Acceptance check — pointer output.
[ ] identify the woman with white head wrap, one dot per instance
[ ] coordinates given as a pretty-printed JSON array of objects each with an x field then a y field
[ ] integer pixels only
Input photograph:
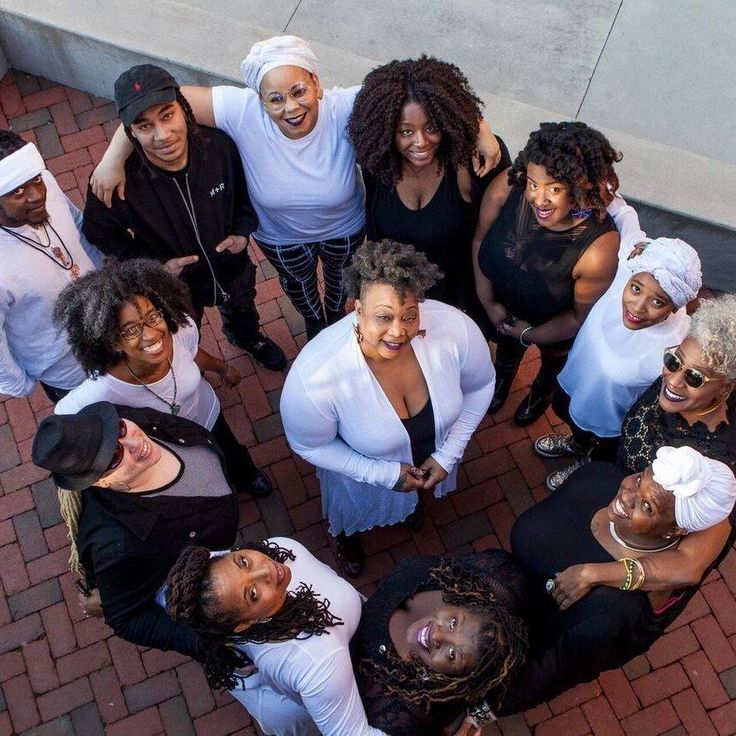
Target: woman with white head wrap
[
  {"x": 618, "y": 351},
  {"x": 612, "y": 575},
  {"x": 300, "y": 167}
]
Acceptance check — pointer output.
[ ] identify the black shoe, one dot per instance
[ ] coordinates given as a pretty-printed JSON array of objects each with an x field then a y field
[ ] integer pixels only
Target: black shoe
[
  {"x": 350, "y": 554},
  {"x": 259, "y": 487},
  {"x": 504, "y": 378},
  {"x": 415, "y": 521},
  {"x": 266, "y": 352},
  {"x": 533, "y": 405}
]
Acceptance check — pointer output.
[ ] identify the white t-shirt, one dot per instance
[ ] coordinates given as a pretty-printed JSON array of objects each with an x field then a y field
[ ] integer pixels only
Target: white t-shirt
[
  {"x": 303, "y": 680},
  {"x": 195, "y": 396},
  {"x": 303, "y": 190}
]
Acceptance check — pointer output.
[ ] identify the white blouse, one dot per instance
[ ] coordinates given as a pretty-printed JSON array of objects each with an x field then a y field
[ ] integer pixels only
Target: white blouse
[
  {"x": 194, "y": 394},
  {"x": 337, "y": 417}
]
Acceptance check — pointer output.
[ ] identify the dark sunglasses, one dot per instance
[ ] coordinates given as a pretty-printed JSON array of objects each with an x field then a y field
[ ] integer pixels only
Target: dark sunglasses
[
  {"x": 693, "y": 377},
  {"x": 117, "y": 456}
]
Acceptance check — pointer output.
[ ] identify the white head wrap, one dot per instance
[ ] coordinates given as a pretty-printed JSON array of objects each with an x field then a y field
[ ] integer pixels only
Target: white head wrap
[
  {"x": 704, "y": 489},
  {"x": 21, "y": 166},
  {"x": 674, "y": 264},
  {"x": 276, "y": 51}
]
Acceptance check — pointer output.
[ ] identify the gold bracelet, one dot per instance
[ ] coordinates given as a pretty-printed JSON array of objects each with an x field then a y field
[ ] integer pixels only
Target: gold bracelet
[
  {"x": 629, "y": 567},
  {"x": 642, "y": 575}
]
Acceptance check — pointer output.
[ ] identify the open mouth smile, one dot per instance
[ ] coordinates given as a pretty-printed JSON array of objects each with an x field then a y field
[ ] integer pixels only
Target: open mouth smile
[
  {"x": 619, "y": 509},
  {"x": 543, "y": 214},
  {"x": 423, "y": 637},
  {"x": 297, "y": 121},
  {"x": 671, "y": 395},
  {"x": 154, "y": 348}
]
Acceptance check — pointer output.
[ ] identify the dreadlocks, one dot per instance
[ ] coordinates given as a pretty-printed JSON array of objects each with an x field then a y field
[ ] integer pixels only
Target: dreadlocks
[
  {"x": 503, "y": 644},
  {"x": 191, "y": 599}
]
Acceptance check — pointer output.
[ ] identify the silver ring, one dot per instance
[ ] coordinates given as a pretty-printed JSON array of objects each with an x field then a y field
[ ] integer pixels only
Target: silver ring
[{"x": 550, "y": 585}]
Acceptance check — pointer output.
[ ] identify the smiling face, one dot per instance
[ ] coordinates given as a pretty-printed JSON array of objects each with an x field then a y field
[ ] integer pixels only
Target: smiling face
[
  {"x": 549, "y": 198},
  {"x": 449, "y": 641},
  {"x": 387, "y": 323},
  {"x": 26, "y": 205},
  {"x": 677, "y": 396},
  {"x": 152, "y": 347},
  {"x": 250, "y": 585},
  {"x": 161, "y": 131},
  {"x": 299, "y": 91},
  {"x": 417, "y": 138},
  {"x": 644, "y": 302},
  {"x": 642, "y": 508},
  {"x": 139, "y": 454}
]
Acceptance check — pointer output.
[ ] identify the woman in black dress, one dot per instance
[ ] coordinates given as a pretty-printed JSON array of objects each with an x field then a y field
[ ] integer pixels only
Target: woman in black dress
[
  {"x": 545, "y": 250},
  {"x": 414, "y": 127}
]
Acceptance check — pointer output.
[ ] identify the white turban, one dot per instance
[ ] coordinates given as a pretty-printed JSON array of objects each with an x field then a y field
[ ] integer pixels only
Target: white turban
[
  {"x": 704, "y": 489},
  {"x": 19, "y": 167},
  {"x": 276, "y": 51},
  {"x": 674, "y": 264}
]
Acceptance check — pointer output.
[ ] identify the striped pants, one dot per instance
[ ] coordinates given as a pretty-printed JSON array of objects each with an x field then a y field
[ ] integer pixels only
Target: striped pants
[{"x": 297, "y": 268}]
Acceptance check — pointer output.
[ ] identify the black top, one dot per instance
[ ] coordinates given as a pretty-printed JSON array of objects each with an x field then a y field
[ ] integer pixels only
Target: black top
[
  {"x": 603, "y": 630},
  {"x": 152, "y": 221},
  {"x": 128, "y": 543},
  {"x": 443, "y": 229},
  {"x": 530, "y": 266},
  {"x": 372, "y": 640},
  {"x": 420, "y": 429}
]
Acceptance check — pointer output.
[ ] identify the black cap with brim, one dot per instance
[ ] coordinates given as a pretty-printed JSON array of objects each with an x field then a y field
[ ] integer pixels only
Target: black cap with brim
[
  {"x": 141, "y": 87},
  {"x": 77, "y": 448}
]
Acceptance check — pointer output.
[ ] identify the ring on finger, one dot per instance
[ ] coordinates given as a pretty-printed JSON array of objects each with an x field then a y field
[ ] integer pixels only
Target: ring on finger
[{"x": 550, "y": 585}]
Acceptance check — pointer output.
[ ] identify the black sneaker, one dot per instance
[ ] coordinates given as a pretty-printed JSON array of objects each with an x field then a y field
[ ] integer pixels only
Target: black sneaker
[
  {"x": 260, "y": 486},
  {"x": 266, "y": 352}
]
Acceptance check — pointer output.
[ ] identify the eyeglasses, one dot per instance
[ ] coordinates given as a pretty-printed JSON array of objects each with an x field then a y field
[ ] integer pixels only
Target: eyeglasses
[
  {"x": 693, "y": 377},
  {"x": 136, "y": 330},
  {"x": 276, "y": 101},
  {"x": 117, "y": 456}
]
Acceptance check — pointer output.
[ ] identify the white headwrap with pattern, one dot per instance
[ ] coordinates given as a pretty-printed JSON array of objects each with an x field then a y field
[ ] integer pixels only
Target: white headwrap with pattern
[{"x": 276, "y": 51}]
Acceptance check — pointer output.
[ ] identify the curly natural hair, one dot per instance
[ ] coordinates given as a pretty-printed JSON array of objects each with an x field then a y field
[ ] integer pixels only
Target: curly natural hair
[
  {"x": 576, "y": 155},
  {"x": 193, "y": 131},
  {"x": 10, "y": 142},
  {"x": 88, "y": 308},
  {"x": 387, "y": 262},
  {"x": 192, "y": 600},
  {"x": 504, "y": 643},
  {"x": 443, "y": 92},
  {"x": 713, "y": 327}
]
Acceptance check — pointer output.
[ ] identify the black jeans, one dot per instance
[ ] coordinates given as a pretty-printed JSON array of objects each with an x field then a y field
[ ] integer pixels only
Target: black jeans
[
  {"x": 240, "y": 468},
  {"x": 596, "y": 448}
]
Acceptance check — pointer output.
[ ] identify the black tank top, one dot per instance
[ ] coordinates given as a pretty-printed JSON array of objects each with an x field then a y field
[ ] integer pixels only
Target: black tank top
[
  {"x": 420, "y": 429},
  {"x": 530, "y": 266}
]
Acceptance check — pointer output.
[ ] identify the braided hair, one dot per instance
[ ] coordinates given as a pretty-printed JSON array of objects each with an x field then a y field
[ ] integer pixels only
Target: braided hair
[
  {"x": 88, "y": 308},
  {"x": 191, "y": 599},
  {"x": 10, "y": 142},
  {"x": 443, "y": 92},
  {"x": 503, "y": 644},
  {"x": 576, "y": 155}
]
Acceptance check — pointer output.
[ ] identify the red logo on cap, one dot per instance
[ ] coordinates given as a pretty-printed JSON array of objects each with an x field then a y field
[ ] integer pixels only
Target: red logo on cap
[{"x": 137, "y": 86}]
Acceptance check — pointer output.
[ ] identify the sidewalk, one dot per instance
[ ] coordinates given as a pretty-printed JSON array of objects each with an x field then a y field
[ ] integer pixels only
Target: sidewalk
[{"x": 64, "y": 675}]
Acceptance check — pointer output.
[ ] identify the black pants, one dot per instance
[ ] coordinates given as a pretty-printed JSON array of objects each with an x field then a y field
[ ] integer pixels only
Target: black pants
[
  {"x": 55, "y": 394},
  {"x": 597, "y": 448},
  {"x": 241, "y": 471},
  {"x": 240, "y": 320}
]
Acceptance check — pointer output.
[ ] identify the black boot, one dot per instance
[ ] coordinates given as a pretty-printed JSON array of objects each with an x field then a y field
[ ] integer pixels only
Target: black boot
[
  {"x": 350, "y": 554},
  {"x": 535, "y": 403},
  {"x": 505, "y": 374}
]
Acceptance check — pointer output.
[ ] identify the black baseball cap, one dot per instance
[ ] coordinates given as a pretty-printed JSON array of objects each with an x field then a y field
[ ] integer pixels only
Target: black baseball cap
[{"x": 142, "y": 87}]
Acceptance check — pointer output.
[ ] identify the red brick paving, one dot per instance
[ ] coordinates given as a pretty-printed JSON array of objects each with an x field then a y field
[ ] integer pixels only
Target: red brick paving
[{"x": 61, "y": 674}]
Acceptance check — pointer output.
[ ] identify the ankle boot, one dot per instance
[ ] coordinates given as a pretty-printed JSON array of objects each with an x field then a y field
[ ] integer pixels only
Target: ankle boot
[
  {"x": 534, "y": 404},
  {"x": 505, "y": 374}
]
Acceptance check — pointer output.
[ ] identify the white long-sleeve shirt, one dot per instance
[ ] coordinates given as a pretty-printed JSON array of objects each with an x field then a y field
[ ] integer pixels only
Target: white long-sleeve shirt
[
  {"x": 307, "y": 686},
  {"x": 337, "y": 417},
  {"x": 31, "y": 347}
]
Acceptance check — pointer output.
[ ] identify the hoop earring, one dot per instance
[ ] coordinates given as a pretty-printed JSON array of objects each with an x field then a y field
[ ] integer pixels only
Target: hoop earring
[
  {"x": 422, "y": 333},
  {"x": 264, "y": 620},
  {"x": 358, "y": 333},
  {"x": 713, "y": 408}
]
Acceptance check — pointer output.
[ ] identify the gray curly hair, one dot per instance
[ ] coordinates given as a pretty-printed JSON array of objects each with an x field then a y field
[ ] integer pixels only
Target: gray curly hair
[
  {"x": 387, "y": 262},
  {"x": 714, "y": 329}
]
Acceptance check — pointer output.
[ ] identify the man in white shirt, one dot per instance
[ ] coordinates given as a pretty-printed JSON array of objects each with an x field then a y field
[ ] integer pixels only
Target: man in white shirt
[{"x": 41, "y": 251}]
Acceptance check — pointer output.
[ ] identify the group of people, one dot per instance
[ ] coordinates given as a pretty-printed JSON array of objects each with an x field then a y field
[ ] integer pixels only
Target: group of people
[{"x": 431, "y": 243}]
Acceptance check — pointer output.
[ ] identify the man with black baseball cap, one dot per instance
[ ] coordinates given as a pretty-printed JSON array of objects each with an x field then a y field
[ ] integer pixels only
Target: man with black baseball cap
[{"x": 186, "y": 204}]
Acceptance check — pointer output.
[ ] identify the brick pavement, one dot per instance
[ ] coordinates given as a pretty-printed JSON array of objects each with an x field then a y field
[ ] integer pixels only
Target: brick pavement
[{"x": 62, "y": 674}]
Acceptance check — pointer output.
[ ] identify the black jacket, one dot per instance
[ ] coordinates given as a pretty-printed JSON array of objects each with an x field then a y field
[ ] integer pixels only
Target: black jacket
[
  {"x": 153, "y": 222},
  {"x": 128, "y": 543}
]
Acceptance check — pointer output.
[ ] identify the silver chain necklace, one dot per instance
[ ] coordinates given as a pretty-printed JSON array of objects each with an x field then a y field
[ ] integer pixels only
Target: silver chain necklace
[
  {"x": 173, "y": 406},
  {"x": 627, "y": 545}
]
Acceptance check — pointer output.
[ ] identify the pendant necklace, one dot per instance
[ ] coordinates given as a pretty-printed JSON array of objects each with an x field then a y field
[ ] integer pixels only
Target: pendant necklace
[
  {"x": 627, "y": 545},
  {"x": 173, "y": 406},
  {"x": 62, "y": 258}
]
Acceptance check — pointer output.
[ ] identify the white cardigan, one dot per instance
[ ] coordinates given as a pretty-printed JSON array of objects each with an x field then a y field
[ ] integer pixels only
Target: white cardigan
[{"x": 337, "y": 417}]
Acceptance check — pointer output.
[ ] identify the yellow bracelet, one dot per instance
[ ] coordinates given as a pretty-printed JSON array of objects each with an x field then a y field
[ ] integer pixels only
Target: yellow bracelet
[
  {"x": 629, "y": 567},
  {"x": 642, "y": 575}
]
